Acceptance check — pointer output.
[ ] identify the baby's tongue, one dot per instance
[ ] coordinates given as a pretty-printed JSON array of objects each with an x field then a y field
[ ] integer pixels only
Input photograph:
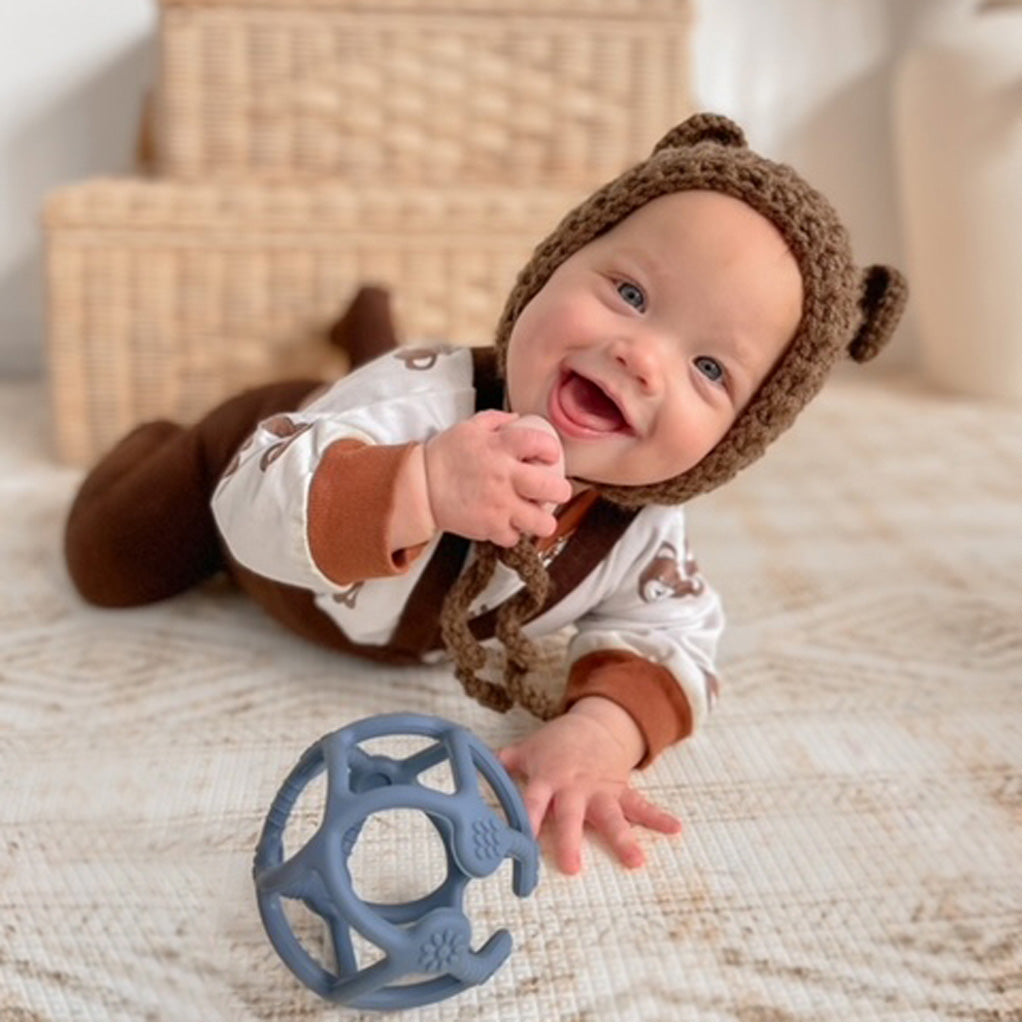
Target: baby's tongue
[{"x": 586, "y": 403}]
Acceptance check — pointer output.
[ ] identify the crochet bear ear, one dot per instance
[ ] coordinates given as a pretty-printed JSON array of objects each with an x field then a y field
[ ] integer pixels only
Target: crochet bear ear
[
  {"x": 703, "y": 128},
  {"x": 883, "y": 294}
]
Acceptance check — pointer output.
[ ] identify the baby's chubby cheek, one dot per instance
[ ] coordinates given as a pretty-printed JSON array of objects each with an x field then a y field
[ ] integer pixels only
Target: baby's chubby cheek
[{"x": 530, "y": 421}]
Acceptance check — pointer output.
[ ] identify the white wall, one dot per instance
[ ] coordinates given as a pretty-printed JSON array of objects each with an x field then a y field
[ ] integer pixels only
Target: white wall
[
  {"x": 72, "y": 74},
  {"x": 808, "y": 79}
]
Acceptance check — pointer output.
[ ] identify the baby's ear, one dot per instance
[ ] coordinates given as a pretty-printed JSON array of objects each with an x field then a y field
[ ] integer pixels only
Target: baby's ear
[
  {"x": 703, "y": 128},
  {"x": 883, "y": 295}
]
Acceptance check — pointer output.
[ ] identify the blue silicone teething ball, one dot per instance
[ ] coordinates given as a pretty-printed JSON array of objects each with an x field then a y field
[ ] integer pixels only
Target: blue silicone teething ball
[{"x": 430, "y": 935}]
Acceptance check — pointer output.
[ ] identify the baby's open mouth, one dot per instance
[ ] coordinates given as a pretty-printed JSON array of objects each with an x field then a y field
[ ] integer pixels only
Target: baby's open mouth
[{"x": 585, "y": 408}]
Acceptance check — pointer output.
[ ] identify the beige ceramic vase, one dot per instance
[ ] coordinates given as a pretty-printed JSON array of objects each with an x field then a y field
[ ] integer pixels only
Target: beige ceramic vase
[{"x": 958, "y": 142}]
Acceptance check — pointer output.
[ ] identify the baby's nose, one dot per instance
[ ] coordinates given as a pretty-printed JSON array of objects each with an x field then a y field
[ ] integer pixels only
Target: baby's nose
[{"x": 638, "y": 357}]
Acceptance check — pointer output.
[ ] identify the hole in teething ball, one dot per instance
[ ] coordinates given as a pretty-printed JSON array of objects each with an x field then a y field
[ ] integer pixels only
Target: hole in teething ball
[
  {"x": 490, "y": 797},
  {"x": 490, "y": 904},
  {"x": 311, "y": 931},
  {"x": 397, "y": 745},
  {"x": 440, "y": 777},
  {"x": 398, "y": 858},
  {"x": 404, "y": 747},
  {"x": 365, "y": 953},
  {"x": 306, "y": 814}
]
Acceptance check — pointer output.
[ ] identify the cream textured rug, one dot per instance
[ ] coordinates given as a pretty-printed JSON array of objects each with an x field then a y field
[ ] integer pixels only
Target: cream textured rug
[{"x": 852, "y": 848}]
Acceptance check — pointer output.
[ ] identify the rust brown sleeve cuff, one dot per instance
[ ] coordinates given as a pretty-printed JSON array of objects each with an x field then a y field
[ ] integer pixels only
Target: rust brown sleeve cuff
[
  {"x": 646, "y": 691},
  {"x": 351, "y": 499}
]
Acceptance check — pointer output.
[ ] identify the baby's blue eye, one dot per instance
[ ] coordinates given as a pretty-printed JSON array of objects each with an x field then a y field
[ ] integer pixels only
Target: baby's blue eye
[
  {"x": 711, "y": 368},
  {"x": 632, "y": 295}
]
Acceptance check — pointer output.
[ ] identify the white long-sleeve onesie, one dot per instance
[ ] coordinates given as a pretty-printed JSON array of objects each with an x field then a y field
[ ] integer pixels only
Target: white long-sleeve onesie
[{"x": 645, "y": 600}]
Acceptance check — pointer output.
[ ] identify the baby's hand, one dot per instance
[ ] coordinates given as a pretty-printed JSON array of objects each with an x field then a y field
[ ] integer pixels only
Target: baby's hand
[
  {"x": 576, "y": 770},
  {"x": 490, "y": 480}
]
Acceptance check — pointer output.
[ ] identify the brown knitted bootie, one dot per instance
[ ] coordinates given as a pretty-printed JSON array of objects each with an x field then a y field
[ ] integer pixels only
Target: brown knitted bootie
[{"x": 366, "y": 329}]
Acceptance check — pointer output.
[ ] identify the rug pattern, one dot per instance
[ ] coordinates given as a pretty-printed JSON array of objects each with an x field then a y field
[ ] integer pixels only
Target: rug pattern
[{"x": 853, "y": 810}]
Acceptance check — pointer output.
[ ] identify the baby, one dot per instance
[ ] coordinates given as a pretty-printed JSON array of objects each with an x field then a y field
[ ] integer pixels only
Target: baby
[{"x": 664, "y": 334}]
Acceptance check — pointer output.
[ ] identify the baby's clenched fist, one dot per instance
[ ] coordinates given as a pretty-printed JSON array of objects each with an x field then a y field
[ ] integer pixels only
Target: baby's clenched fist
[{"x": 495, "y": 477}]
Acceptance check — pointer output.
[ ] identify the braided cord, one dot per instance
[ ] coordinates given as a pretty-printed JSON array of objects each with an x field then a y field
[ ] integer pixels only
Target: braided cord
[
  {"x": 464, "y": 649},
  {"x": 521, "y": 655}
]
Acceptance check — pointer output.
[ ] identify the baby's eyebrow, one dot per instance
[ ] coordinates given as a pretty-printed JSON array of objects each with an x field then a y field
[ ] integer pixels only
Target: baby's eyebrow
[
  {"x": 635, "y": 258},
  {"x": 740, "y": 351}
]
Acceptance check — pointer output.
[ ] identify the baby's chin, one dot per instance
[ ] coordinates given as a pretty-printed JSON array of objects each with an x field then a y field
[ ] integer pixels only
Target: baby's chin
[
  {"x": 583, "y": 478},
  {"x": 584, "y": 481}
]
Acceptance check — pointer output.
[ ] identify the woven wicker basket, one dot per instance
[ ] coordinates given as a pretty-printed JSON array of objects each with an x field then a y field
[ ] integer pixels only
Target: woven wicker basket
[
  {"x": 165, "y": 297},
  {"x": 560, "y": 92}
]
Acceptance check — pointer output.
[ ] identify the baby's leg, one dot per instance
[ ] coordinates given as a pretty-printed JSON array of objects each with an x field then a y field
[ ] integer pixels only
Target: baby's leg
[{"x": 140, "y": 528}]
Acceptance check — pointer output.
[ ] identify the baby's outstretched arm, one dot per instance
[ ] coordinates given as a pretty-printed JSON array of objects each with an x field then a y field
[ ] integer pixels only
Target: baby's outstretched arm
[{"x": 576, "y": 771}]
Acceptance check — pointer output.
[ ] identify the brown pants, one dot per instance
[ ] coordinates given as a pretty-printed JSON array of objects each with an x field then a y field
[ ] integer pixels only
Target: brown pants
[{"x": 141, "y": 529}]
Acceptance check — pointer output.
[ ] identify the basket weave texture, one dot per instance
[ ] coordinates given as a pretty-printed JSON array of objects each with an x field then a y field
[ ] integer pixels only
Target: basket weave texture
[
  {"x": 476, "y": 91},
  {"x": 303, "y": 148},
  {"x": 165, "y": 297}
]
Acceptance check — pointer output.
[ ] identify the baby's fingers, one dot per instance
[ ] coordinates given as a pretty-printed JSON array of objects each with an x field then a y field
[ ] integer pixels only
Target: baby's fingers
[
  {"x": 542, "y": 484},
  {"x": 569, "y": 812},
  {"x": 536, "y": 795},
  {"x": 537, "y": 798},
  {"x": 526, "y": 443},
  {"x": 532, "y": 520},
  {"x": 493, "y": 419},
  {"x": 643, "y": 812},
  {"x": 606, "y": 816}
]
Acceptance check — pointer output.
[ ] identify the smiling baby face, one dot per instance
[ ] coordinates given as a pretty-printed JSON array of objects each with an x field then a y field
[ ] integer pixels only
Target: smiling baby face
[{"x": 643, "y": 346}]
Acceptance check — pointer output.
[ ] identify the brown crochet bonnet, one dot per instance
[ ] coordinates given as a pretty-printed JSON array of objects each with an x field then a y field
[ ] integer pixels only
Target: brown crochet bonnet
[{"x": 845, "y": 310}]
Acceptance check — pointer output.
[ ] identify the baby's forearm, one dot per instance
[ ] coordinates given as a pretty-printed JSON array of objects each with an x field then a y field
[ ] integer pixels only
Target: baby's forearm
[{"x": 412, "y": 521}]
